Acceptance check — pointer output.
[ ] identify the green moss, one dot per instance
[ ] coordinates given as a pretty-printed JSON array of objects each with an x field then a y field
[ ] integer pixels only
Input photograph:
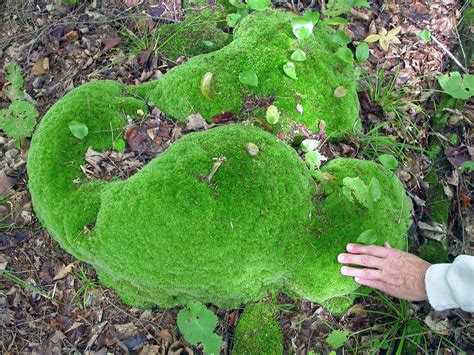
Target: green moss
[
  {"x": 438, "y": 205},
  {"x": 262, "y": 45},
  {"x": 167, "y": 236},
  {"x": 433, "y": 252},
  {"x": 339, "y": 221},
  {"x": 188, "y": 37},
  {"x": 258, "y": 331}
]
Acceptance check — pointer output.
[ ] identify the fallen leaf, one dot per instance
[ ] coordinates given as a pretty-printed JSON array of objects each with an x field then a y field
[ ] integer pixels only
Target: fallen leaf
[
  {"x": 195, "y": 122},
  {"x": 6, "y": 185},
  {"x": 252, "y": 149},
  {"x": 64, "y": 271},
  {"x": 433, "y": 230},
  {"x": 40, "y": 67},
  {"x": 439, "y": 326},
  {"x": 206, "y": 85},
  {"x": 223, "y": 117},
  {"x": 110, "y": 43}
]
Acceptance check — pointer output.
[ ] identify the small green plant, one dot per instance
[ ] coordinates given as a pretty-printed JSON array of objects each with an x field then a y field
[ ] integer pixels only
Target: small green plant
[
  {"x": 389, "y": 161},
  {"x": 83, "y": 293},
  {"x": 19, "y": 119},
  {"x": 457, "y": 86},
  {"x": 356, "y": 190},
  {"x": 197, "y": 324},
  {"x": 336, "y": 8},
  {"x": 313, "y": 157},
  {"x": 244, "y": 9},
  {"x": 13, "y": 278},
  {"x": 78, "y": 129},
  {"x": 337, "y": 338}
]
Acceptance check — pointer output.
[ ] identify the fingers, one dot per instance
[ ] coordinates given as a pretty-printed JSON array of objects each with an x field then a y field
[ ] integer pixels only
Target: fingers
[
  {"x": 374, "y": 250},
  {"x": 377, "y": 284},
  {"x": 363, "y": 260},
  {"x": 367, "y": 274}
]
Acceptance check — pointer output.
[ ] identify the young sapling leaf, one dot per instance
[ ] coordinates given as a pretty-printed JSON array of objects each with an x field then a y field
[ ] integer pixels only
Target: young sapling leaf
[
  {"x": 197, "y": 324},
  {"x": 314, "y": 159},
  {"x": 78, "y": 129},
  {"x": 19, "y": 119},
  {"x": 337, "y": 338},
  {"x": 309, "y": 145},
  {"x": 302, "y": 27},
  {"x": 356, "y": 188},
  {"x": 374, "y": 190},
  {"x": 273, "y": 115},
  {"x": 336, "y": 21},
  {"x": 425, "y": 35},
  {"x": 208, "y": 43},
  {"x": 312, "y": 16},
  {"x": 290, "y": 70},
  {"x": 367, "y": 237},
  {"x": 362, "y": 52},
  {"x": 345, "y": 54},
  {"x": 258, "y": 5},
  {"x": 389, "y": 161},
  {"x": 248, "y": 78},
  {"x": 119, "y": 145},
  {"x": 298, "y": 56},
  {"x": 341, "y": 38},
  {"x": 457, "y": 86}
]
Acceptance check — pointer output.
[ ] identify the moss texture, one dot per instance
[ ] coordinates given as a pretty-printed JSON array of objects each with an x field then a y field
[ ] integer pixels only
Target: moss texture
[
  {"x": 262, "y": 44},
  {"x": 433, "y": 252},
  {"x": 258, "y": 331},
  {"x": 166, "y": 236},
  {"x": 188, "y": 38},
  {"x": 438, "y": 204}
]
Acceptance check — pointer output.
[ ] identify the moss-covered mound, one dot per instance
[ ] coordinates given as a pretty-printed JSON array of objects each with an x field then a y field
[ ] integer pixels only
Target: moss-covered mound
[
  {"x": 199, "y": 33},
  {"x": 258, "y": 331},
  {"x": 263, "y": 44},
  {"x": 174, "y": 232}
]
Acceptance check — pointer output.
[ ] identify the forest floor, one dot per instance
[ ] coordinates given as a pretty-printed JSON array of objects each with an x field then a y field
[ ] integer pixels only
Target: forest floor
[{"x": 54, "y": 303}]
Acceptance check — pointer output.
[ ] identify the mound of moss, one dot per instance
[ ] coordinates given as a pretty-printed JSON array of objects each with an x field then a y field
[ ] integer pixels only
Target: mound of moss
[
  {"x": 263, "y": 44},
  {"x": 258, "y": 331},
  {"x": 199, "y": 33},
  {"x": 172, "y": 233}
]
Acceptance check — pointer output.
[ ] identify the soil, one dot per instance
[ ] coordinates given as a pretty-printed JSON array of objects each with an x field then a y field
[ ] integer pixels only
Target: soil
[{"x": 54, "y": 303}]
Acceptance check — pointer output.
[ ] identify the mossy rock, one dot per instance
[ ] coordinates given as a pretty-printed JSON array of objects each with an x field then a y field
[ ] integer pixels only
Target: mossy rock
[
  {"x": 258, "y": 331},
  {"x": 263, "y": 44}
]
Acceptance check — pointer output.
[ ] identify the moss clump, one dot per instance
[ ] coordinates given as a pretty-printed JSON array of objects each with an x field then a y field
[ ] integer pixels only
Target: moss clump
[
  {"x": 433, "y": 252},
  {"x": 263, "y": 43},
  {"x": 438, "y": 204},
  {"x": 338, "y": 221},
  {"x": 258, "y": 331},
  {"x": 189, "y": 37}
]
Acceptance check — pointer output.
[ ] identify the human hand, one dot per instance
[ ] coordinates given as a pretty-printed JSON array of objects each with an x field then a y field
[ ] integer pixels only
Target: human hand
[{"x": 392, "y": 271}]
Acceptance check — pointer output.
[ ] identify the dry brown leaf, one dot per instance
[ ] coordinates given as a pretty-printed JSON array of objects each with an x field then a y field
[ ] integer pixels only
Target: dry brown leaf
[
  {"x": 6, "y": 185},
  {"x": 64, "y": 271},
  {"x": 41, "y": 67}
]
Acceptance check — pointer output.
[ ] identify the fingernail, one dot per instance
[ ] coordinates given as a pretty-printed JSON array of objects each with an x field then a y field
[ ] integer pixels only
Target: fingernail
[
  {"x": 357, "y": 279},
  {"x": 344, "y": 270},
  {"x": 350, "y": 247},
  {"x": 340, "y": 258}
]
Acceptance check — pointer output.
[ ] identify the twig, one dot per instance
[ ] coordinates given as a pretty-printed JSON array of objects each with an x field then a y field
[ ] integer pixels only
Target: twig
[{"x": 450, "y": 55}]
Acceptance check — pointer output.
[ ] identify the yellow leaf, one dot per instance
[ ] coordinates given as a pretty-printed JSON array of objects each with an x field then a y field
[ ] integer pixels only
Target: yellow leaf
[
  {"x": 394, "y": 31},
  {"x": 395, "y": 40},
  {"x": 372, "y": 38},
  {"x": 384, "y": 43},
  {"x": 206, "y": 85},
  {"x": 64, "y": 271},
  {"x": 383, "y": 32}
]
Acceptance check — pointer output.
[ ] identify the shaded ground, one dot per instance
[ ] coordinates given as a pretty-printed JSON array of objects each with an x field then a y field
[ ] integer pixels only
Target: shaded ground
[{"x": 55, "y": 303}]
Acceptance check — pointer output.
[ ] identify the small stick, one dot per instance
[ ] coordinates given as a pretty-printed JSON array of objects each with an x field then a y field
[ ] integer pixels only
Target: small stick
[
  {"x": 450, "y": 55},
  {"x": 215, "y": 167}
]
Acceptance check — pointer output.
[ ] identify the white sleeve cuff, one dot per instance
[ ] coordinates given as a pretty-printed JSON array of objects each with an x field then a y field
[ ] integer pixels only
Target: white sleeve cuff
[{"x": 437, "y": 287}]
